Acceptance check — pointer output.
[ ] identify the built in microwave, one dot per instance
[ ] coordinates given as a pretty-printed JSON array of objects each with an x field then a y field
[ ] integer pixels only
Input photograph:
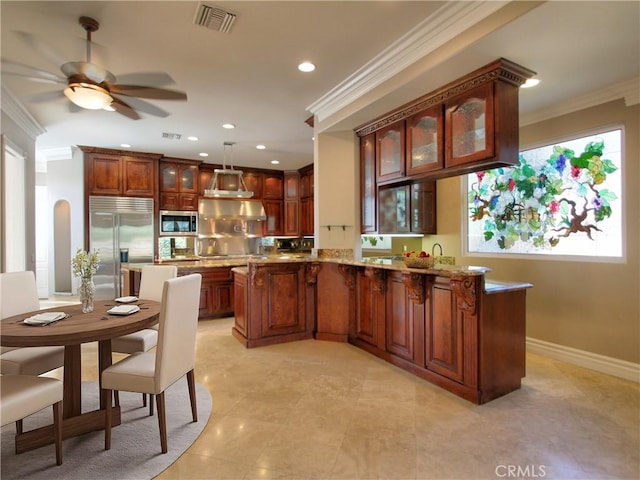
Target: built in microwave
[{"x": 174, "y": 223}]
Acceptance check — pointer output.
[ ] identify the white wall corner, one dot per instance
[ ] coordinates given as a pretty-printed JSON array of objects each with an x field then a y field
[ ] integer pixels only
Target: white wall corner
[
  {"x": 20, "y": 115},
  {"x": 582, "y": 358}
]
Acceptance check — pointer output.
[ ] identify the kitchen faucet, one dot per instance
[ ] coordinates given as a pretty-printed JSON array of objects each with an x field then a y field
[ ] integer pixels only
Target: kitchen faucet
[{"x": 434, "y": 248}]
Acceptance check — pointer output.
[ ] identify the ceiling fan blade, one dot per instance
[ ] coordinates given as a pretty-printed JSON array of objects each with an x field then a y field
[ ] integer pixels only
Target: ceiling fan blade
[
  {"x": 47, "y": 96},
  {"x": 43, "y": 75},
  {"x": 36, "y": 79},
  {"x": 146, "y": 107},
  {"x": 42, "y": 47},
  {"x": 151, "y": 79},
  {"x": 124, "y": 109},
  {"x": 91, "y": 71},
  {"x": 148, "y": 92}
]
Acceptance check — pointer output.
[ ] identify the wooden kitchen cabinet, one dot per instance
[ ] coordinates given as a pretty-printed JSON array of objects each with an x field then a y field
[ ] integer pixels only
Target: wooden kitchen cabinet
[
  {"x": 216, "y": 293},
  {"x": 393, "y": 210},
  {"x": 390, "y": 152},
  {"x": 273, "y": 186},
  {"x": 292, "y": 203},
  {"x": 278, "y": 303},
  {"x": 253, "y": 181},
  {"x": 368, "y": 185},
  {"x": 179, "y": 185},
  {"x": 273, "y": 226},
  {"x": 444, "y": 339},
  {"x": 470, "y": 127},
  {"x": 400, "y": 317},
  {"x": 111, "y": 172},
  {"x": 425, "y": 141},
  {"x": 423, "y": 207},
  {"x": 307, "y": 220},
  {"x": 369, "y": 318}
]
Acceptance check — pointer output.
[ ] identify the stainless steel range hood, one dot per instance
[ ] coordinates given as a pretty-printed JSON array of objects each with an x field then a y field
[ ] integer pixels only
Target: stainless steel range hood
[
  {"x": 229, "y": 227},
  {"x": 218, "y": 209}
]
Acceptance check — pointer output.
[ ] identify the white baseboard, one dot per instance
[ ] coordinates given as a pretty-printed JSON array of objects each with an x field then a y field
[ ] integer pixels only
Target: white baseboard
[{"x": 582, "y": 358}]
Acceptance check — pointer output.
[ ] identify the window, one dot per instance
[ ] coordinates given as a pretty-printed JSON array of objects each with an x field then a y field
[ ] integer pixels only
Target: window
[{"x": 564, "y": 199}]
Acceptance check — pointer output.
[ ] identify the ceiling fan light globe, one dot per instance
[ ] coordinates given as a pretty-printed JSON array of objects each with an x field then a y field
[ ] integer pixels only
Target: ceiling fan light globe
[{"x": 85, "y": 95}]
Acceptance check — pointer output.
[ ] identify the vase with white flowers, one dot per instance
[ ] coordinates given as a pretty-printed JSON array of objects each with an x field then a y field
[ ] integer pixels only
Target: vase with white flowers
[{"x": 85, "y": 265}]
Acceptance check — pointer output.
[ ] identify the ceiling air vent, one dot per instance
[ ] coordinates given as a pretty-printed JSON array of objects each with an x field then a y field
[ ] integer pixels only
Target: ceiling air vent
[
  {"x": 214, "y": 18},
  {"x": 171, "y": 136}
]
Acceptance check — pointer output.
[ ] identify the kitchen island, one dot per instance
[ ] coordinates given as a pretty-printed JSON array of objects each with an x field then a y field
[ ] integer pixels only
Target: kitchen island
[{"x": 448, "y": 324}]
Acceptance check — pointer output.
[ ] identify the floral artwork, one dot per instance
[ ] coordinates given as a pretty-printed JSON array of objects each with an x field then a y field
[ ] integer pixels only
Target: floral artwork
[{"x": 556, "y": 193}]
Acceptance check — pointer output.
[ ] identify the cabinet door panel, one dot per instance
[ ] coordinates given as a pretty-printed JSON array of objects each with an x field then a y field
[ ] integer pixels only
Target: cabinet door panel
[
  {"x": 272, "y": 186},
  {"x": 368, "y": 211},
  {"x": 283, "y": 301},
  {"x": 104, "y": 175},
  {"x": 390, "y": 152},
  {"x": 273, "y": 211},
  {"x": 470, "y": 127},
  {"x": 189, "y": 179},
  {"x": 139, "y": 177},
  {"x": 444, "y": 343},
  {"x": 169, "y": 177},
  {"x": 241, "y": 300},
  {"x": 425, "y": 141},
  {"x": 399, "y": 320},
  {"x": 423, "y": 207},
  {"x": 367, "y": 310},
  {"x": 393, "y": 206},
  {"x": 188, "y": 201},
  {"x": 253, "y": 181}
]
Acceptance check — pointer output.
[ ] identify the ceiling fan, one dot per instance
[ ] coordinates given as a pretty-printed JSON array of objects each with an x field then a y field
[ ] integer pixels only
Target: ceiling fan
[{"x": 92, "y": 87}]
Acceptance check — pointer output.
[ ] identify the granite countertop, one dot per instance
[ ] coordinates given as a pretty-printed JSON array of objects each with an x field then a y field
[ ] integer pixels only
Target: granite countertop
[{"x": 241, "y": 264}]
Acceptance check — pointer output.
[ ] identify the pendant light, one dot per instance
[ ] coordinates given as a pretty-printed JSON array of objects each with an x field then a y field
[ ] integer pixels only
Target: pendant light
[{"x": 232, "y": 181}]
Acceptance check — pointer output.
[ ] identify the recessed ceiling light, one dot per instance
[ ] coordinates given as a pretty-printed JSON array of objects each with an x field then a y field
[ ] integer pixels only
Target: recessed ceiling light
[
  {"x": 531, "y": 82},
  {"x": 306, "y": 67},
  {"x": 228, "y": 126},
  {"x": 261, "y": 147},
  {"x": 275, "y": 162},
  {"x": 193, "y": 139},
  {"x": 203, "y": 154},
  {"x": 125, "y": 145}
]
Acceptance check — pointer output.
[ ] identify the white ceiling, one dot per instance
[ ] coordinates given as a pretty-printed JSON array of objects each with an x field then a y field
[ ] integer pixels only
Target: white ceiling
[{"x": 583, "y": 52}]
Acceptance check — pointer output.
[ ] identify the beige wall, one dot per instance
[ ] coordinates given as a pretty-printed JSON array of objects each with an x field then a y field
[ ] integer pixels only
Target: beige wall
[{"x": 585, "y": 305}]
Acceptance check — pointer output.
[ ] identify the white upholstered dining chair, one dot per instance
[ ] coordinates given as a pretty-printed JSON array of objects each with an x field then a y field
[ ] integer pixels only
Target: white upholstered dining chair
[
  {"x": 151, "y": 283},
  {"x": 19, "y": 294},
  {"x": 24, "y": 395},
  {"x": 153, "y": 372},
  {"x": 152, "y": 280}
]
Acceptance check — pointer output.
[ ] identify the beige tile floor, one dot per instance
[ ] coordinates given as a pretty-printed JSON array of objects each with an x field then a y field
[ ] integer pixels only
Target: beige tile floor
[{"x": 322, "y": 410}]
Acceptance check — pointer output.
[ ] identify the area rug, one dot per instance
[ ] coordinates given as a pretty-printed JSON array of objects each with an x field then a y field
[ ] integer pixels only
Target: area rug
[{"x": 135, "y": 443}]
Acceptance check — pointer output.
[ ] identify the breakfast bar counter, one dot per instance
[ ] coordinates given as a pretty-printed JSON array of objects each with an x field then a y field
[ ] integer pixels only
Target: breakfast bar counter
[{"x": 446, "y": 324}]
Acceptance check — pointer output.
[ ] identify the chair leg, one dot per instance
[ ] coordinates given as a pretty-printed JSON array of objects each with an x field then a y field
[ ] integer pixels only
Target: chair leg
[
  {"x": 107, "y": 422},
  {"x": 151, "y": 404},
  {"x": 57, "y": 429},
  {"x": 18, "y": 427},
  {"x": 116, "y": 395},
  {"x": 192, "y": 394},
  {"x": 162, "y": 421},
  {"x": 144, "y": 399}
]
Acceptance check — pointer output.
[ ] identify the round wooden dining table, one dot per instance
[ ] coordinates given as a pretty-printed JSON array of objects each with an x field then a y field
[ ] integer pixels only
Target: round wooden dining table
[{"x": 78, "y": 328}]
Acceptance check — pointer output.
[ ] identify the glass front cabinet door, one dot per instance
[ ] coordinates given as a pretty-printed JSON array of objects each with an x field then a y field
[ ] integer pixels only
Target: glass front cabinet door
[
  {"x": 469, "y": 126},
  {"x": 390, "y": 152},
  {"x": 425, "y": 141}
]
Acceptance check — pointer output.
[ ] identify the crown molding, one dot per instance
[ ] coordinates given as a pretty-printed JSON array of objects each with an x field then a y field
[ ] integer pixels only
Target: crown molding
[
  {"x": 629, "y": 90},
  {"x": 446, "y": 23},
  {"x": 12, "y": 107}
]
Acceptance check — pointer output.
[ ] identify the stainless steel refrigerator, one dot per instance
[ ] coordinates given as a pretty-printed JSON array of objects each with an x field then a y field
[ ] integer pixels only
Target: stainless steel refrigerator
[{"x": 119, "y": 224}]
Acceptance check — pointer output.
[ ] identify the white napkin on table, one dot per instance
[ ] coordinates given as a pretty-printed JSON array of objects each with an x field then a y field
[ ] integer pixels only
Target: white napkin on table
[
  {"x": 44, "y": 318},
  {"x": 126, "y": 299},
  {"x": 124, "y": 310}
]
